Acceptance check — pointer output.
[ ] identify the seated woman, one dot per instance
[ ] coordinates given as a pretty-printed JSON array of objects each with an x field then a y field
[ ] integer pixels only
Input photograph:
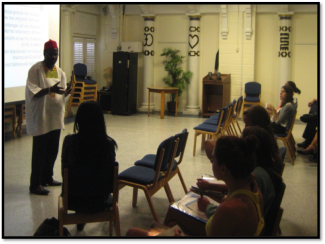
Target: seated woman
[
  {"x": 89, "y": 146},
  {"x": 280, "y": 118},
  {"x": 258, "y": 116},
  {"x": 267, "y": 161},
  {"x": 295, "y": 89},
  {"x": 241, "y": 213}
]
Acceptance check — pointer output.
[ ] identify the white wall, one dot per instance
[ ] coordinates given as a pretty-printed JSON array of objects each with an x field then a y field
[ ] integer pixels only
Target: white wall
[{"x": 304, "y": 57}]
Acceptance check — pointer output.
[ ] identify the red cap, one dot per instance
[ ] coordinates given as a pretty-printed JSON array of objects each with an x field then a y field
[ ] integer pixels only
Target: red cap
[{"x": 50, "y": 44}]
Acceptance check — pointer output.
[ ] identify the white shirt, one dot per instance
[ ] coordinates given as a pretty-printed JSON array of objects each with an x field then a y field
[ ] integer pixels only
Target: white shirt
[{"x": 44, "y": 114}]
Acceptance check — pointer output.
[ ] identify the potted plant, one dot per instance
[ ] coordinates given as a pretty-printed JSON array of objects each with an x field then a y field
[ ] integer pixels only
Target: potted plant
[{"x": 176, "y": 76}]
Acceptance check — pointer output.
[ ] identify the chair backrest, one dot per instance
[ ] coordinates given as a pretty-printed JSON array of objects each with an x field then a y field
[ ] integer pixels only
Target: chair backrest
[
  {"x": 89, "y": 181},
  {"x": 252, "y": 88},
  {"x": 270, "y": 219},
  {"x": 167, "y": 145},
  {"x": 80, "y": 70},
  {"x": 239, "y": 105},
  {"x": 224, "y": 115},
  {"x": 182, "y": 139}
]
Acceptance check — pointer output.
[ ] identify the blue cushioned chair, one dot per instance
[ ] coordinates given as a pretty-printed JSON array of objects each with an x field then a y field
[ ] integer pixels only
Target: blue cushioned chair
[
  {"x": 287, "y": 138},
  {"x": 149, "y": 160},
  {"x": 151, "y": 180},
  {"x": 212, "y": 130},
  {"x": 252, "y": 94},
  {"x": 84, "y": 88}
]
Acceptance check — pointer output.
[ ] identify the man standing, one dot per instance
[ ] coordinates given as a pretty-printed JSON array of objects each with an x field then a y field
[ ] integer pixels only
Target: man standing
[{"x": 45, "y": 108}]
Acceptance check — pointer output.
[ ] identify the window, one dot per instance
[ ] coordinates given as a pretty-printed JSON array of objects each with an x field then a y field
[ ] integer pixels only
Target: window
[{"x": 84, "y": 52}]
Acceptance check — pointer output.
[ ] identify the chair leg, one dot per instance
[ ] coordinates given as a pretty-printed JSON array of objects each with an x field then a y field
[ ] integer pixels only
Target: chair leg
[
  {"x": 238, "y": 126},
  {"x": 169, "y": 193},
  {"x": 289, "y": 152},
  {"x": 194, "y": 147},
  {"x": 153, "y": 211},
  {"x": 234, "y": 128},
  {"x": 182, "y": 181},
  {"x": 117, "y": 222},
  {"x": 202, "y": 141},
  {"x": 135, "y": 196}
]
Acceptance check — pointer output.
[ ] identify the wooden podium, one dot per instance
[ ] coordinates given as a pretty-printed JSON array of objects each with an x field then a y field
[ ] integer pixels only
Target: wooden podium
[{"x": 215, "y": 94}]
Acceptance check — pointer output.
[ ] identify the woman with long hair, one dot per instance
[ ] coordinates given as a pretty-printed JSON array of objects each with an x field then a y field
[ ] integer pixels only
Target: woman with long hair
[
  {"x": 280, "y": 118},
  {"x": 89, "y": 146}
]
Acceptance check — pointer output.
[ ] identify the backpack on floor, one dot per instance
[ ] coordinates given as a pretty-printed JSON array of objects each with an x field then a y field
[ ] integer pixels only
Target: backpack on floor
[{"x": 50, "y": 227}]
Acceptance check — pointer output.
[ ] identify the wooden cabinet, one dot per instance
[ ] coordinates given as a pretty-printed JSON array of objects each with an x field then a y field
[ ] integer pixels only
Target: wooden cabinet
[{"x": 215, "y": 94}]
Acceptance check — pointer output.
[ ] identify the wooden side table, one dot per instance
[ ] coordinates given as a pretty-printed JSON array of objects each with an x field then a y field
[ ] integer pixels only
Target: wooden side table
[{"x": 162, "y": 91}]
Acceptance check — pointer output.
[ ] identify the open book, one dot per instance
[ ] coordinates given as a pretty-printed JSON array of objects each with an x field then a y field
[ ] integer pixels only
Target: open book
[
  {"x": 212, "y": 179},
  {"x": 188, "y": 205}
]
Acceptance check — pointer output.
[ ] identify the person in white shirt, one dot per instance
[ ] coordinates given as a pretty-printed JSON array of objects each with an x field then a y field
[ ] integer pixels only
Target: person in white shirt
[{"x": 45, "y": 108}]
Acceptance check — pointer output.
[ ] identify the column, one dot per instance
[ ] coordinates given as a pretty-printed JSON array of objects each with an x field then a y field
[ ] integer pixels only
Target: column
[
  {"x": 285, "y": 51},
  {"x": 148, "y": 61},
  {"x": 66, "y": 46},
  {"x": 192, "y": 107}
]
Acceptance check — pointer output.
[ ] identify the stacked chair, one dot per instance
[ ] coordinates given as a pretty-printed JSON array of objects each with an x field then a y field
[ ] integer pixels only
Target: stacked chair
[
  {"x": 151, "y": 180},
  {"x": 84, "y": 88}
]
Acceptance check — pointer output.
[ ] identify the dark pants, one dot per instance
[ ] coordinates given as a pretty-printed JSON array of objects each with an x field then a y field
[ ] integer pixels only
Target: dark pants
[
  {"x": 310, "y": 129},
  {"x": 278, "y": 129},
  {"x": 45, "y": 151}
]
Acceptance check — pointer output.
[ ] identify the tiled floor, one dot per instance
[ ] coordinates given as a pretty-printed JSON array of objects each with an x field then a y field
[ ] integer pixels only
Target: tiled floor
[{"x": 136, "y": 136}]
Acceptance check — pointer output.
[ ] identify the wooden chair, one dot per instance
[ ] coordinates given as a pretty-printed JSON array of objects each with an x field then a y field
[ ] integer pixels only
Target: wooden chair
[
  {"x": 85, "y": 180},
  {"x": 10, "y": 116},
  {"x": 151, "y": 180},
  {"x": 84, "y": 89},
  {"x": 213, "y": 131},
  {"x": 252, "y": 94},
  {"x": 149, "y": 159},
  {"x": 288, "y": 139},
  {"x": 21, "y": 117},
  {"x": 236, "y": 115},
  {"x": 179, "y": 153},
  {"x": 226, "y": 128}
]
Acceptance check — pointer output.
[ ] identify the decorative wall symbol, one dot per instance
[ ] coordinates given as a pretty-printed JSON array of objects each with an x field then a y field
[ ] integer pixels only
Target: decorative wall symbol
[
  {"x": 193, "y": 53},
  {"x": 193, "y": 39},
  {"x": 152, "y": 29},
  {"x": 194, "y": 28},
  {"x": 148, "y": 53},
  {"x": 284, "y": 44},
  {"x": 285, "y": 28},
  {"x": 148, "y": 40}
]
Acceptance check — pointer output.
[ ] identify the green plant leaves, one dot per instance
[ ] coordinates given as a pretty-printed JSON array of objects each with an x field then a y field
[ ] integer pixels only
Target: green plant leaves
[{"x": 176, "y": 76}]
